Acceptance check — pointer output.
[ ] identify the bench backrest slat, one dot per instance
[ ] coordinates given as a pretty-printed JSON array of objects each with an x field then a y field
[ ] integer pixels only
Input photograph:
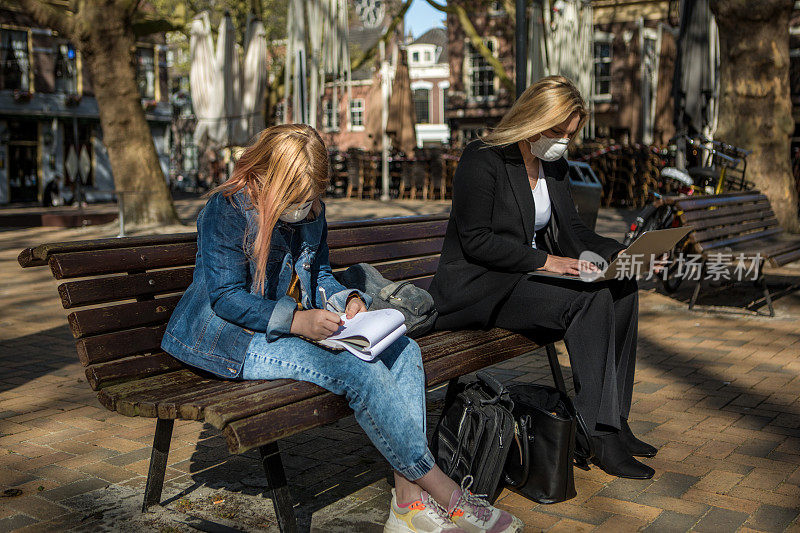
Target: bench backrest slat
[
  {"x": 96, "y": 262},
  {"x": 116, "y": 288},
  {"x": 371, "y": 253},
  {"x": 698, "y": 216},
  {"x": 690, "y": 203},
  {"x": 340, "y": 238},
  {"x": 116, "y": 317},
  {"x": 139, "y": 366},
  {"x": 727, "y": 220},
  {"x": 126, "y": 289}
]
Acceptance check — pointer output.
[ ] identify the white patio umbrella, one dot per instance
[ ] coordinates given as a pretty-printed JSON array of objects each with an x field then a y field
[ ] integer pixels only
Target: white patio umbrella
[
  {"x": 316, "y": 50},
  {"x": 254, "y": 80},
  {"x": 233, "y": 127},
  {"x": 568, "y": 38},
  {"x": 203, "y": 80}
]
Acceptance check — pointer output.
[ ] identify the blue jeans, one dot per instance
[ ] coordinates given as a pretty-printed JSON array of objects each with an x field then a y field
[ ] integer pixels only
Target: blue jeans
[{"x": 387, "y": 394}]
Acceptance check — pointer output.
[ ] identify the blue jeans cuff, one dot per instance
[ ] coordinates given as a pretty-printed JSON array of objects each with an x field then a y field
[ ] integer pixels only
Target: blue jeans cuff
[
  {"x": 415, "y": 471},
  {"x": 280, "y": 321}
]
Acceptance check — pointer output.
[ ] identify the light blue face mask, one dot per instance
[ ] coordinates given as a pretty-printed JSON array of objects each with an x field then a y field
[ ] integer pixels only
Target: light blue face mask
[{"x": 296, "y": 212}]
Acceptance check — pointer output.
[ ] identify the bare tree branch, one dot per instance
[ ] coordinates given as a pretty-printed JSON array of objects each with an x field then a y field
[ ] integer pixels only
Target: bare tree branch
[
  {"x": 48, "y": 16},
  {"x": 463, "y": 18},
  {"x": 366, "y": 56}
]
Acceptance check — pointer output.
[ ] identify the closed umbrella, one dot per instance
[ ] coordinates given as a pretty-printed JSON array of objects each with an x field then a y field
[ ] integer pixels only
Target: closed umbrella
[
  {"x": 206, "y": 102},
  {"x": 372, "y": 111},
  {"x": 229, "y": 70},
  {"x": 254, "y": 79},
  {"x": 402, "y": 117},
  {"x": 696, "y": 85}
]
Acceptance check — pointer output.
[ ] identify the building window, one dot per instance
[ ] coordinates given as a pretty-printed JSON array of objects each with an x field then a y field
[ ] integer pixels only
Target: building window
[
  {"x": 602, "y": 66},
  {"x": 66, "y": 69},
  {"x": 480, "y": 74},
  {"x": 146, "y": 73},
  {"x": 422, "y": 105},
  {"x": 15, "y": 64},
  {"x": 415, "y": 57},
  {"x": 357, "y": 113},
  {"x": 330, "y": 118},
  {"x": 427, "y": 56}
]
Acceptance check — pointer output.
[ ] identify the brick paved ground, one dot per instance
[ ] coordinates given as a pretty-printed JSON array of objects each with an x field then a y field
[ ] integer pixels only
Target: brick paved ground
[{"x": 717, "y": 390}]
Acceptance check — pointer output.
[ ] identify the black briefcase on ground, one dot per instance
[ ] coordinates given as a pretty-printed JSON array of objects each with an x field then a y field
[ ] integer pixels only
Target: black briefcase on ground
[
  {"x": 539, "y": 465},
  {"x": 474, "y": 434}
]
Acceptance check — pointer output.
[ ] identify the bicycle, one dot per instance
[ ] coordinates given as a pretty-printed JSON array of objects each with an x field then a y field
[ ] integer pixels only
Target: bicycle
[{"x": 726, "y": 172}]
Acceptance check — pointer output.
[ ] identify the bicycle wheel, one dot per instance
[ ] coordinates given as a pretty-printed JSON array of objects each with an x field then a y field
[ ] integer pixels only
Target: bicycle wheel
[
  {"x": 650, "y": 218},
  {"x": 671, "y": 279}
]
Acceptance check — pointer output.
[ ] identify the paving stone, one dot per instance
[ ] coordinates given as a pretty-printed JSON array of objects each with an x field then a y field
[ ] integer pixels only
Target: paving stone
[
  {"x": 672, "y": 484},
  {"x": 772, "y": 518},
  {"x": 15, "y": 522},
  {"x": 75, "y": 488},
  {"x": 670, "y": 521},
  {"x": 718, "y": 519}
]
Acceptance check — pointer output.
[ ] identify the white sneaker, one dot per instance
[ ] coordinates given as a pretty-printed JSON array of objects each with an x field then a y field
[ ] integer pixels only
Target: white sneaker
[
  {"x": 421, "y": 516},
  {"x": 473, "y": 514}
]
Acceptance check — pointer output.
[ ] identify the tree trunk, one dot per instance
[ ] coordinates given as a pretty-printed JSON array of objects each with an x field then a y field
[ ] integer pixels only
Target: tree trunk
[
  {"x": 102, "y": 30},
  {"x": 755, "y": 110}
]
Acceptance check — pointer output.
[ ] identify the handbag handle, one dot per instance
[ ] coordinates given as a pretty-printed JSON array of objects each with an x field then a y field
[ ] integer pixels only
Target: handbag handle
[
  {"x": 524, "y": 455},
  {"x": 583, "y": 428},
  {"x": 492, "y": 382}
]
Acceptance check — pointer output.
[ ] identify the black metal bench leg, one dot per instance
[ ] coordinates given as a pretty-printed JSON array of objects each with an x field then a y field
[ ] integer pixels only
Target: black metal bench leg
[
  {"x": 451, "y": 392},
  {"x": 555, "y": 367},
  {"x": 697, "y": 287},
  {"x": 276, "y": 477},
  {"x": 158, "y": 463},
  {"x": 767, "y": 295}
]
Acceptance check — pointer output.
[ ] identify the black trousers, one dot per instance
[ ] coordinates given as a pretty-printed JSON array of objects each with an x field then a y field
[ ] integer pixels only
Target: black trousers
[{"x": 599, "y": 323}]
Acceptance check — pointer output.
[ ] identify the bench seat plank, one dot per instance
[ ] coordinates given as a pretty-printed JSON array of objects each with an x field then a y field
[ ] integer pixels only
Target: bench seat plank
[{"x": 251, "y": 432}]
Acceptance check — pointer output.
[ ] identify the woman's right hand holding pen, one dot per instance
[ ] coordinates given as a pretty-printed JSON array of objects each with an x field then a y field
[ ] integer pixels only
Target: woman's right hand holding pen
[{"x": 315, "y": 324}]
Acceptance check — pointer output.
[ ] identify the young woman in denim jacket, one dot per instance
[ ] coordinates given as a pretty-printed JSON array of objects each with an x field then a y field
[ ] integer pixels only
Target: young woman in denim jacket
[{"x": 258, "y": 292}]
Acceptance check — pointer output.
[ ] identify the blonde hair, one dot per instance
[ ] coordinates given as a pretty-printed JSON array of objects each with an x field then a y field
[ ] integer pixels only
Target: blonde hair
[
  {"x": 285, "y": 165},
  {"x": 545, "y": 104}
]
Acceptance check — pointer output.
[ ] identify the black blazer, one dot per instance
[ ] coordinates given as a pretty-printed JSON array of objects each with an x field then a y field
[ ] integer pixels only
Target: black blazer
[{"x": 487, "y": 247}]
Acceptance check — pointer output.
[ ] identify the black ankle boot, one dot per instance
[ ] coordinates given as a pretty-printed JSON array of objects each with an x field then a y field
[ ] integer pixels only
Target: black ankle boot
[
  {"x": 635, "y": 446},
  {"x": 613, "y": 458}
]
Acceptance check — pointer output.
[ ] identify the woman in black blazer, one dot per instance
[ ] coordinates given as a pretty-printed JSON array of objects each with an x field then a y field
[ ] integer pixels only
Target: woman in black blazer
[{"x": 513, "y": 213}]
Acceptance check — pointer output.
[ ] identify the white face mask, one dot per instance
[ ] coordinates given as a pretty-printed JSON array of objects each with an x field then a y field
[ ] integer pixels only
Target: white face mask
[
  {"x": 548, "y": 149},
  {"x": 296, "y": 212}
]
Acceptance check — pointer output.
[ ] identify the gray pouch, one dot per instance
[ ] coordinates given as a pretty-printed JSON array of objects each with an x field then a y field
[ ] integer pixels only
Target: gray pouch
[{"x": 416, "y": 304}]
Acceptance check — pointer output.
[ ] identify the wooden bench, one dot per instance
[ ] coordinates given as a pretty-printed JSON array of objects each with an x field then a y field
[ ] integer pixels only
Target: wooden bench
[
  {"x": 736, "y": 223},
  {"x": 121, "y": 293}
]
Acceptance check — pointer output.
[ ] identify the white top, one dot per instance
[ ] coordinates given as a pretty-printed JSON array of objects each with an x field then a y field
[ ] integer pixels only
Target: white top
[{"x": 541, "y": 201}]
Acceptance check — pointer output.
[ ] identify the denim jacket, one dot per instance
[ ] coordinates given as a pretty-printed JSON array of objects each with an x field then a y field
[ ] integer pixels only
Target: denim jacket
[{"x": 215, "y": 319}]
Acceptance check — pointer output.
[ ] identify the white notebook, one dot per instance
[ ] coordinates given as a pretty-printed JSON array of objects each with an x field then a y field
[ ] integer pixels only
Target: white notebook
[{"x": 368, "y": 333}]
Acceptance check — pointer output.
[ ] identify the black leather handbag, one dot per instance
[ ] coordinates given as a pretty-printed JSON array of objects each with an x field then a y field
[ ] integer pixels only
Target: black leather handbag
[
  {"x": 474, "y": 435},
  {"x": 539, "y": 465}
]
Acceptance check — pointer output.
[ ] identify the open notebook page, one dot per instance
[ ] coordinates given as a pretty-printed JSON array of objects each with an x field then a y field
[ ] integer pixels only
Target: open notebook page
[{"x": 368, "y": 333}]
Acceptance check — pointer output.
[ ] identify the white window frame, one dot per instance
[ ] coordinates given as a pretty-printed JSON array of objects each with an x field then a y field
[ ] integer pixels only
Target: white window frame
[
  {"x": 607, "y": 38},
  {"x": 360, "y": 104},
  {"x": 443, "y": 86},
  {"x": 330, "y": 111},
  {"x": 468, "y": 68}
]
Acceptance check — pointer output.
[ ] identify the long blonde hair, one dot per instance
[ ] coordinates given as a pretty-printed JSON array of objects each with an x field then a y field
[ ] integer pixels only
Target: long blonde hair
[
  {"x": 286, "y": 164},
  {"x": 547, "y": 103}
]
